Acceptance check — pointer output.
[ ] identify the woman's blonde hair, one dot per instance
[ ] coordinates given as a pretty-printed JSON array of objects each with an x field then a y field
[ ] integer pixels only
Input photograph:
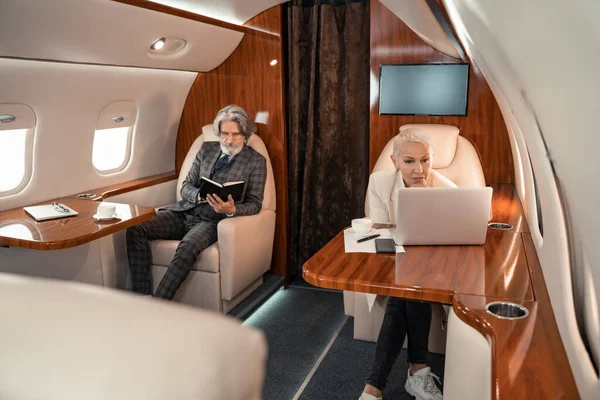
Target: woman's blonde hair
[{"x": 411, "y": 135}]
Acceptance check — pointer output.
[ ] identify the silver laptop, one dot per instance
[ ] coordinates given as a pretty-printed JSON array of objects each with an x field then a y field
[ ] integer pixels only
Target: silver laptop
[{"x": 440, "y": 216}]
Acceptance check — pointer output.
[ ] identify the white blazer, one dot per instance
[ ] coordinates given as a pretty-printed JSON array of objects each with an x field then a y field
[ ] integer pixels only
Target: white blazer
[{"x": 383, "y": 186}]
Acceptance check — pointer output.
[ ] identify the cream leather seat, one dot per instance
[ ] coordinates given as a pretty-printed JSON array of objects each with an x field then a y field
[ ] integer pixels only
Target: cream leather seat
[
  {"x": 66, "y": 340},
  {"x": 230, "y": 269},
  {"x": 455, "y": 158}
]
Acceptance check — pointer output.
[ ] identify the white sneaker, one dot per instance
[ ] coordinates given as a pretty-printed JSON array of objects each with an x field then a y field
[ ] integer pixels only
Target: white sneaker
[
  {"x": 367, "y": 396},
  {"x": 421, "y": 385}
]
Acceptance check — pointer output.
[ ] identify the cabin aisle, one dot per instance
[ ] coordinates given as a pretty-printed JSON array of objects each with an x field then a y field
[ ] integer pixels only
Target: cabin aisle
[
  {"x": 312, "y": 354},
  {"x": 298, "y": 324}
]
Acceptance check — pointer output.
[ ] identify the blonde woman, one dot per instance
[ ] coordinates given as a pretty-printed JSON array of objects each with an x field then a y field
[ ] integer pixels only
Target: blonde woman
[{"x": 412, "y": 156}]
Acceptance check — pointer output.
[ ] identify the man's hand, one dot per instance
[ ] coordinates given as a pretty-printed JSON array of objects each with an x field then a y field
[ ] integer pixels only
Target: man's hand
[{"x": 220, "y": 206}]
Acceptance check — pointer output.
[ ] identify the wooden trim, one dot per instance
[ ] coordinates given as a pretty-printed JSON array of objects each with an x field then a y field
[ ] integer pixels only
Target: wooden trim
[
  {"x": 114, "y": 190},
  {"x": 148, "y": 5},
  {"x": 507, "y": 208},
  {"x": 105, "y": 192},
  {"x": 528, "y": 357}
]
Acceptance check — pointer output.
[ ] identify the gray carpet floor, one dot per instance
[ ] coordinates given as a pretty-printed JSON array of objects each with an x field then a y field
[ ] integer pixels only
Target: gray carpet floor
[
  {"x": 299, "y": 323},
  {"x": 342, "y": 372}
]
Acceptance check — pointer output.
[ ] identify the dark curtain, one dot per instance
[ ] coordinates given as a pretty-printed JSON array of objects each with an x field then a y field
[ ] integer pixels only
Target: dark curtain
[{"x": 328, "y": 120}]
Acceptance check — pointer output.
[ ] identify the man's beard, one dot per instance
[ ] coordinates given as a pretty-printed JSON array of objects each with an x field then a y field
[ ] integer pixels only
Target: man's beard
[{"x": 232, "y": 149}]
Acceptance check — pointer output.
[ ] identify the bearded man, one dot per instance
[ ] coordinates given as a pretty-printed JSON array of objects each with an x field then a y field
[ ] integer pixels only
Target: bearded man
[{"x": 193, "y": 220}]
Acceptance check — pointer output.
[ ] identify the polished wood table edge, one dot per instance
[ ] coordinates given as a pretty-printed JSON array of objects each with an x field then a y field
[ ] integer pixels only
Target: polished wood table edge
[
  {"x": 161, "y": 8},
  {"x": 78, "y": 227},
  {"x": 508, "y": 191},
  {"x": 532, "y": 345},
  {"x": 76, "y": 241},
  {"x": 106, "y": 192},
  {"x": 408, "y": 292}
]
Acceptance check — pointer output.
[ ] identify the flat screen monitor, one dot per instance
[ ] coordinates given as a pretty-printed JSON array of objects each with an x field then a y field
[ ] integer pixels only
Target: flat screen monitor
[{"x": 423, "y": 89}]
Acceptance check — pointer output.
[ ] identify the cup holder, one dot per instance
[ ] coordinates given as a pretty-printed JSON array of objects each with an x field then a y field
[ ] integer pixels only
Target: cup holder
[
  {"x": 86, "y": 195},
  {"x": 506, "y": 310},
  {"x": 500, "y": 225}
]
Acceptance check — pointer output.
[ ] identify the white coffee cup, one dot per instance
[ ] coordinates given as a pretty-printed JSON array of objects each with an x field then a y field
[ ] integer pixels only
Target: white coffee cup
[
  {"x": 362, "y": 225},
  {"x": 106, "y": 210}
]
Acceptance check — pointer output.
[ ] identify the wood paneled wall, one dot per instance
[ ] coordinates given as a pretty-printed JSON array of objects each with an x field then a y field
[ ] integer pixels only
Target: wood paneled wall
[
  {"x": 248, "y": 79},
  {"x": 392, "y": 42}
]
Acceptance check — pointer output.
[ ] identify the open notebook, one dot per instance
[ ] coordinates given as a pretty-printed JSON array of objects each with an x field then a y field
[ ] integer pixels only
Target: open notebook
[{"x": 50, "y": 211}]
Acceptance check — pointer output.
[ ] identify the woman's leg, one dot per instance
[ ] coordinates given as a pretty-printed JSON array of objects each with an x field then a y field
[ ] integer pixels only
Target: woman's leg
[
  {"x": 389, "y": 343},
  {"x": 418, "y": 316},
  {"x": 420, "y": 381}
]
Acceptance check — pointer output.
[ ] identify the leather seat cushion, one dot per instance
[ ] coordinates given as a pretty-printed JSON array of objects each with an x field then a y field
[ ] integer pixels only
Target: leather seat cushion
[{"x": 163, "y": 252}]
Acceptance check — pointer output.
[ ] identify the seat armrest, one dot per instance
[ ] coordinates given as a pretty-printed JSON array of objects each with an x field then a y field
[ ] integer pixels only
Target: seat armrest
[{"x": 245, "y": 250}]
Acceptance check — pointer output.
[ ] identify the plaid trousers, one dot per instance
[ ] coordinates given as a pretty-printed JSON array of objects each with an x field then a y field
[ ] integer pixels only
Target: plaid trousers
[{"x": 195, "y": 233}]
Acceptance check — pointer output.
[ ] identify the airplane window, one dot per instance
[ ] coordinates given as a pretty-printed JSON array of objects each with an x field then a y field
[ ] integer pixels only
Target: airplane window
[
  {"x": 12, "y": 158},
  {"x": 110, "y": 149},
  {"x": 112, "y": 139},
  {"x": 17, "y": 129}
]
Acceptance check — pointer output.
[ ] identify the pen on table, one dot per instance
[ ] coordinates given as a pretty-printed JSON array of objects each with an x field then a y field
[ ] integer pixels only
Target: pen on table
[{"x": 367, "y": 238}]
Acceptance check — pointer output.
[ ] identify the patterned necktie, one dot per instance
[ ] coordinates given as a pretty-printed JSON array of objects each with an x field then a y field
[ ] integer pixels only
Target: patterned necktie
[{"x": 221, "y": 164}]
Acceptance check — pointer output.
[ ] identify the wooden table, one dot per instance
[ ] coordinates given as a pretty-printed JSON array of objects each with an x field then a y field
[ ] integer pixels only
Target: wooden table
[
  {"x": 429, "y": 273},
  {"x": 19, "y": 229},
  {"x": 528, "y": 357}
]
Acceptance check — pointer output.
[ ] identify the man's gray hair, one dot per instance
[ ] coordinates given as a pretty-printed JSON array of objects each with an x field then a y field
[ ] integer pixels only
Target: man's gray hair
[
  {"x": 410, "y": 135},
  {"x": 236, "y": 114}
]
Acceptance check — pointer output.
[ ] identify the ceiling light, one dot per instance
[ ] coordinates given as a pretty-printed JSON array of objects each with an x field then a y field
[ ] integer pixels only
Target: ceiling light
[
  {"x": 167, "y": 45},
  {"x": 158, "y": 44}
]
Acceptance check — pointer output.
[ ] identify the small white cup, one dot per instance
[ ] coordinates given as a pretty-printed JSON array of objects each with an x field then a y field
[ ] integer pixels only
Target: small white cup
[
  {"x": 362, "y": 225},
  {"x": 106, "y": 210}
]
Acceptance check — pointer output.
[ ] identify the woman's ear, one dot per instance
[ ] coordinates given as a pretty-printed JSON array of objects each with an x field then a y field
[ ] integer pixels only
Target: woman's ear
[{"x": 393, "y": 159}]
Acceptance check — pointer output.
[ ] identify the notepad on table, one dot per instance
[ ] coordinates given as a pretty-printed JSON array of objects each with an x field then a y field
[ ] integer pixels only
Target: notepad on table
[
  {"x": 235, "y": 189},
  {"x": 50, "y": 211}
]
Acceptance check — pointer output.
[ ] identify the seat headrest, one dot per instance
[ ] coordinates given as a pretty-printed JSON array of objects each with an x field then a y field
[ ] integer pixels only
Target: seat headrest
[
  {"x": 208, "y": 135},
  {"x": 442, "y": 138}
]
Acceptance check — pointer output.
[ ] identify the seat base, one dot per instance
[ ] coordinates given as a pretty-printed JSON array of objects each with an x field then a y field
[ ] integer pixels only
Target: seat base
[
  {"x": 228, "y": 305},
  {"x": 200, "y": 289},
  {"x": 203, "y": 289}
]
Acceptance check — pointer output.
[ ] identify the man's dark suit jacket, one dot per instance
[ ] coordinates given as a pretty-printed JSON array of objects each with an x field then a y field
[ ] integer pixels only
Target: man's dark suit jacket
[{"x": 248, "y": 166}]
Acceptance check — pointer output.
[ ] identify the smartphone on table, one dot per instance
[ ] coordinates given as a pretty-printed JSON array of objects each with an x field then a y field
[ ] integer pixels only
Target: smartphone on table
[{"x": 385, "y": 246}]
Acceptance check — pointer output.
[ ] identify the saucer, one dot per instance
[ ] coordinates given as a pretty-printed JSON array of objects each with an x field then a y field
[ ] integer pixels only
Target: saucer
[
  {"x": 351, "y": 231},
  {"x": 99, "y": 218}
]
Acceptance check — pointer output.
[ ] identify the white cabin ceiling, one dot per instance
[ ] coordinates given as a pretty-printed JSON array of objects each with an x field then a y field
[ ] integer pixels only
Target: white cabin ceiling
[
  {"x": 111, "y": 33},
  {"x": 233, "y": 11}
]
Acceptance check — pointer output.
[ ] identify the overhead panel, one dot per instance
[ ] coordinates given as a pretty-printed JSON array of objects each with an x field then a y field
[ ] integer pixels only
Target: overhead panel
[
  {"x": 233, "y": 11},
  {"x": 417, "y": 15},
  {"x": 111, "y": 33}
]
